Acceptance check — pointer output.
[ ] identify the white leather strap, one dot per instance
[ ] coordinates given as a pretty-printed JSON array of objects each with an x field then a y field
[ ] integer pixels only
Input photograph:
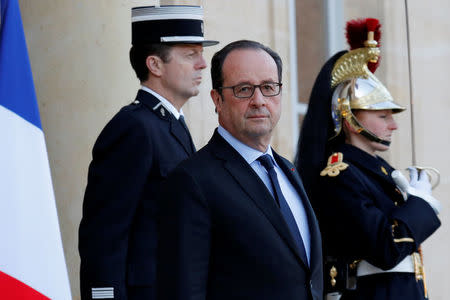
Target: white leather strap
[
  {"x": 405, "y": 266},
  {"x": 333, "y": 296}
]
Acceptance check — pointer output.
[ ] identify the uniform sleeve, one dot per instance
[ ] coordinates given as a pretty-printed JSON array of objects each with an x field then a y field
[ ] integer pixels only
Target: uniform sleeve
[
  {"x": 418, "y": 217},
  {"x": 184, "y": 231},
  {"x": 117, "y": 175},
  {"x": 364, "y": 231}
]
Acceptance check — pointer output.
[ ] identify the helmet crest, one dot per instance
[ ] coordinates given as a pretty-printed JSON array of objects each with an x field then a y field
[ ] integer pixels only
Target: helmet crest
[{"x": 362, "y": 33}]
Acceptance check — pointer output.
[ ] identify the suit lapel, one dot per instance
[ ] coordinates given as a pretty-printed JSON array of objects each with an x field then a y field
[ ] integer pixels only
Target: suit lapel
[
  {"x": 180, "y": 134},
  {"x": 176, "y": 129},
  {"x": 253, "y": 186},
  {"x": 316, "y": 240}
]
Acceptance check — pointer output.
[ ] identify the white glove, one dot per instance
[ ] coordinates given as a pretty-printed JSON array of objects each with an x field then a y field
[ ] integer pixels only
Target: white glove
[
  {"x": 420, "y": 181},
  {"x": 420, "y": 188},
  {"x": 401, "y": 182}
]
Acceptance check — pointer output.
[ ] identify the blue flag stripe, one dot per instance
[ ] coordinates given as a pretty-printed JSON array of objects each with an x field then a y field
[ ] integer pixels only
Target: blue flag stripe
[{"x": 16, "y": 81}]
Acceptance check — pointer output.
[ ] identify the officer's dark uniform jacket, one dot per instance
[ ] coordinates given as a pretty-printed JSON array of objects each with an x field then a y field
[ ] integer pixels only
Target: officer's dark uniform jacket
[
  {"x": 117, "y": 236},
  {"x": 363, "y": 216}
]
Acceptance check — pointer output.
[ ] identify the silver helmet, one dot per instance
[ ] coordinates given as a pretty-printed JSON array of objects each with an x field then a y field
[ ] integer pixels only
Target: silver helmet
[{"x": 356, "y": 87}]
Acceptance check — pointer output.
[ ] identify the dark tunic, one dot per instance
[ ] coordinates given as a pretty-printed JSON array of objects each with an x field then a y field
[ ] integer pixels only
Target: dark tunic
[
  {"x": 357, "y": 210},
  {"x": 117, "y": 237}
]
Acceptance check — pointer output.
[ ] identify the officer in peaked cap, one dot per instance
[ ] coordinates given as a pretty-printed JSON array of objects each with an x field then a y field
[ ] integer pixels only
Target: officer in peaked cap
[
  {"x": 372, "y": 219},
  {"x": 136, "y": 150}
]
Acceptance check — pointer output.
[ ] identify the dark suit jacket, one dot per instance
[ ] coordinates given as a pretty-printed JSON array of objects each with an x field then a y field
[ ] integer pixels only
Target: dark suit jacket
[
  {"x": 117, "y": 234},
  {"x": 222, "y": 236}
]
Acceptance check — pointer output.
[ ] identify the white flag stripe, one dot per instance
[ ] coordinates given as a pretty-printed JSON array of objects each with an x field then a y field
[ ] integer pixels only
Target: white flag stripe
[{"x": 31, "y": 250}]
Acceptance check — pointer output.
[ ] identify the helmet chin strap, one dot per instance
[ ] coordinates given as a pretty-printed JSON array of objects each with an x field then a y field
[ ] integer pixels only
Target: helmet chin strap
[
  {"x": 365, "y": 132},
  {"x": 372, "y": 137}
]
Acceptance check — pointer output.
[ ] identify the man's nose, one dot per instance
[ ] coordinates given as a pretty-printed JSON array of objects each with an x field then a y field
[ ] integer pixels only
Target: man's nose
[
  {"x": 201, "y": 64},
  {"x": 257, "y": 98}
]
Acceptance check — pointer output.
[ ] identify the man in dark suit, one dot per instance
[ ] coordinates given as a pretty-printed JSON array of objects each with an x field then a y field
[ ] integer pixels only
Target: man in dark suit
[
  {"x": 135, "y": 152},
  {"x": 235, "y": 222}
]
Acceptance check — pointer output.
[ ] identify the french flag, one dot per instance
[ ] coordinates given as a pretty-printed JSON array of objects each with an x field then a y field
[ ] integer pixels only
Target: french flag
[{"x": 32, "y": 264}]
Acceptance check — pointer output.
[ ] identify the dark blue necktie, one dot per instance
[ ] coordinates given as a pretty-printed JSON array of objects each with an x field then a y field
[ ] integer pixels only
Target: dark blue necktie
[
  {"x": 183, "y": 123},
  {"x": 267, "y": 163}
]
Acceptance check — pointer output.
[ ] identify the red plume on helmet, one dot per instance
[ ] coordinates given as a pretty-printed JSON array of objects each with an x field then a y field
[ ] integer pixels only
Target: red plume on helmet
[{"x": 357, "y": 34}]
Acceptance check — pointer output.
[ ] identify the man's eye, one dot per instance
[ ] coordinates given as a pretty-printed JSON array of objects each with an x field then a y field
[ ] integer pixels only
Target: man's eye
[
  {"x": 191, "y": 54},
  {"x": 244, "y": 88},
  {"x": 268, "y": 87}
]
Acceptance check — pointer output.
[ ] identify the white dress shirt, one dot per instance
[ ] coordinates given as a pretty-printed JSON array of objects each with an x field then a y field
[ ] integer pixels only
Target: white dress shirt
[{"x": 290, "y": 194}]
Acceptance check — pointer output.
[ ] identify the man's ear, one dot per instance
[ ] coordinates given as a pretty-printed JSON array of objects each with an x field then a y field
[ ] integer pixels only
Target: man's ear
[
  {"x": 154, "y": 65},
  {"x": 216, "y": 98}
]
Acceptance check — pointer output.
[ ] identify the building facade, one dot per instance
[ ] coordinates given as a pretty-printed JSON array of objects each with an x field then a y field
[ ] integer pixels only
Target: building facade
[{"x": 79, "y": 57}]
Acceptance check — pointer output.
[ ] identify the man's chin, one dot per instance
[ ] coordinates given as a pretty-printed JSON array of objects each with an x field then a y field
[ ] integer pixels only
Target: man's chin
[
  {"x": 192, "y": 93},
  {"x": 195, "y": 92},
  {"x": 259, "y": 131}
]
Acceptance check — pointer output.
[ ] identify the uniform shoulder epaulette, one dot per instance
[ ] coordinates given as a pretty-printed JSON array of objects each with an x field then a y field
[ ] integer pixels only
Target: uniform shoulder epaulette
[{"x": 335, "y": 165}]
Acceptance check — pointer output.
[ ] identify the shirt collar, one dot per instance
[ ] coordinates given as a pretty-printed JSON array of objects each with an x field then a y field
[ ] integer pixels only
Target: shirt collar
[
  {"x": 164, "y": 102},
  {"x": 248, "y": 153}
]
